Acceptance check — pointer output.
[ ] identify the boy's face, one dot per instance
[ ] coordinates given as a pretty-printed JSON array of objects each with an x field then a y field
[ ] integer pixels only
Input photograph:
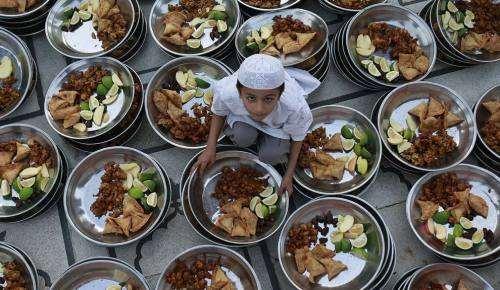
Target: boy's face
[{"x": 259, "y": 103}]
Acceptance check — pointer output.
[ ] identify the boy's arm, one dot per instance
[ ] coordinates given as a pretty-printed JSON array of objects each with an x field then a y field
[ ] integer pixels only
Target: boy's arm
[{"x": 287, "y": 182}]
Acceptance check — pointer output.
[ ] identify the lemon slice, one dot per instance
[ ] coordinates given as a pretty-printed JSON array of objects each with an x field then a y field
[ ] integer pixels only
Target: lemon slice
[
  {"x": 253, "y": 202},
  {"x": 262, "y": 211},
  {"x": 346, "y": 223},
  {"x": 152, "y": 199},
  {"x": 29, "y": 182},
  {"x": 270, "y": 200},
  {"x": 348, "y": 144},
  {"x": 337, "y": 236},
  {"x": 360, "y": 241},
  {"x": 268, "y": 191},
  {"x": 463, "y": 243},
  {"x": 393, "y": 137},
  {"x": 478, "y": 236},
  {"x": 395, "y": 125}
]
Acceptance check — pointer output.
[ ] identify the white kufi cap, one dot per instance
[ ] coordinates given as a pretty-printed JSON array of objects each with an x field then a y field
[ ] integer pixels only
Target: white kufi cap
[{"x": 261, "y": 72}]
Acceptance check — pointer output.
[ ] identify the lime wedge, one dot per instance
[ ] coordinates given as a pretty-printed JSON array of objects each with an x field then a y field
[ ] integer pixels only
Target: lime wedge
[
  {"x": 430, "y": 226},
  {"x": 150, "y": 184},
  {"x": 478, "y": 236},
  {"x": 138, "y": 184},
  {"x": 395, "y": 125},
  {"x": 128, "y": 182},
  {"x": 116, "y": 79},
  {"x": 360, "y": 253},
  {"x": 6, "y": 67},
  {"x": 109, "y": 99},
  {"x": 152, "y": 199},
  {"x": 463, "y": 243},
  {"x": 30, "y": 172},
  {"x": 393, "y": 137},
  {"x": 253, "y": 202},
  {"x": 270, "y": 200},
  {"x": 360, "y": 241},
  {"x": 337, "y": 236},
  {"x": 188, "y": 95},
  {"x": 85, "y": 15},
  {"x": 348, "y": 144},
  {"x": 42, "y": 183},
  {"x": 362, "y": 165},
  {"x": 360, "y": 136},
  {"x": 346, "y": 223},
  {"x": 113, "y": 91},
  {"x": 193, "y": 43},
  {"x": 267, "y": 192},
  {"x": 25, "y": 193},
  {"x": 86, "y": 114},
  {"x": 221, "y": 26},
  {"x": 27, "y": 182},
  {"x": 98, "y": 113},
  {"x": 208, "y": 97},
  {"x": 402, "y": 147},
  {"x": 181, "y": 78},
  {"x": 440, "y": 231},
  {"x": 136, "y": 193},
  {"x": 272, "y": 209},
  {"x": 262, "y": 211},
  {"x": 107, "y": 81},
  {"x": 93, "y": 103},
  {"x": 80, "y": 127},
  {"x": 466, "y": 223},
  {"x": 75, "y": 18}
]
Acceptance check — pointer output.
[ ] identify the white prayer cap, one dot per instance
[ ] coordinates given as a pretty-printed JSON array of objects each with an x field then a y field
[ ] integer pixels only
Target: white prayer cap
[{"x": 261, "y": 72}]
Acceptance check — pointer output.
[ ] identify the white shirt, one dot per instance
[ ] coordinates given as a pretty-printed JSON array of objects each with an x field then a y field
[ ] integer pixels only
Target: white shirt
[{"x": 290, "y": 118}]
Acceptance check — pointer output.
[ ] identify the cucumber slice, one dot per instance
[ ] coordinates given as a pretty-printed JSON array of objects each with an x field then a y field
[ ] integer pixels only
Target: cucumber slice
[
  {"x": 202, "y": 83},
  {"x": 270, "y": 200},
  {"x": 253, "y": 202},
  {"x": 267, "y": 192}
]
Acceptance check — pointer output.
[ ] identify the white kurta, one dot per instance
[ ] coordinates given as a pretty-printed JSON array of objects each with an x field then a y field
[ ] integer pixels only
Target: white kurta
[{"x": 290, "y": 119}]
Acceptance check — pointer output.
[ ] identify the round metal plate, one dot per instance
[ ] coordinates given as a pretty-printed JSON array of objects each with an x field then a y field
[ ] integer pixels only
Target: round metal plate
[
  {"x": 404, "y": 98},
  {"x": 360, "y": 273},
  {"x": 484, "y": 184},
  {"x": 308, "y": 18},
  {"x": 99, "y": 273},
  {"x": 396, "y": 16},
  {"x": 84, "y": 182},
  {"x": 208, "y": 69},
  {"x": 23, "y": 66},
  {"x": 206, "y": 208},
  {"x": 237, "y": 269},
  {"x": 31, "y": 12},
  {"x": 284, "y": 4},
  {"x": 338, "y": 8},
  {"x": 332, "y": 118},
  {"x": 447, "y": 274},
  {"x": 24, "y": 132},
  {"x": 81, "y": 43},
  {"x": 160, "y": 8},
  {"x": 481, "y": 115},
  {"x": 8, "y": 254},
  {"x": 117, "y": 110}
]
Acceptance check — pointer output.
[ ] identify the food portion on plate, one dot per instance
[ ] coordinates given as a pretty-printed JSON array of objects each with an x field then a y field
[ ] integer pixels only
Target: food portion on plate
[
  {"x": 127, "y": 198},
  {"x": 453, "y": 214},
  {"x": 102, "y": 19},
  {"x": 248, "y": 205},
  {"x": 195, "y": 24},
  {"x": 472, "y": 26},
  {"x": 12, "y": 276},
  {"x": 82, "y": 101},
  {"x": 286, "y": 35},
  {"x": 200, "y": 275},
  {"x": 184, "y": 107},
  {"x": 19, "y": 6},
  {"x": 459, "y": 285},
  {"x": 315, "y": 245},
  {"x": 329, "y": 156},
  {"x": 266, "y": 4},
  {"x": 425, "y": 141},
  {"x": 354, "y": 4},
  {"x": 490, "y": 130},
  {"x": 387, "y": 52},
  {"x": 9, "y": 95},
  {"x": 25, "y": 170}
]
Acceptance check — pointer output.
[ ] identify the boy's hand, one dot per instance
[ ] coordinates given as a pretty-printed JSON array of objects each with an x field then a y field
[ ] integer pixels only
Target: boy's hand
[
  {"x": 206, "y": 159},
  {"x": 286, "y": 185}
]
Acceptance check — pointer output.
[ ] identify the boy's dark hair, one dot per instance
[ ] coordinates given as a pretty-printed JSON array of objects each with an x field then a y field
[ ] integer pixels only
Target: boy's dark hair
[{"x": 280, "y": 88}]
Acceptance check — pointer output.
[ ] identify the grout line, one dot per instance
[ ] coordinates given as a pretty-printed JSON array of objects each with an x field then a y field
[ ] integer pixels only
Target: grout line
[
  {"x": 68, "y": 246},
  {"x": 269, "y": 266},
  {"x": 38, "y": 85},
  {"x": 23, "y": 117},
  {"x": 391, "y": 205}
]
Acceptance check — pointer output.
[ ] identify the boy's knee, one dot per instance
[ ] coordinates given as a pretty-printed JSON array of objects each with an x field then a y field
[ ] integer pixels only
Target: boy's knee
[
  {"x": 273, "y": 158},
  {"x": 243, "y": 135}
]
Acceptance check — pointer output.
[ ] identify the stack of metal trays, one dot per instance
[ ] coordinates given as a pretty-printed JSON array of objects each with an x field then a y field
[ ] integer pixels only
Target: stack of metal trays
[
  {"x": 314, "y": 57},
  {"x": 81, "y": 40},
  {"x": 124, "y": 113},
  {"x": 458, "y": 242},
  {"x": 338, "y": 7},
  {"x": 447, "y": 275},
  {"x": 237, "y": 268},
  {"x": 369, "y": 263},
  {"x": 10, "y": 253},
  {"x": 447, "y": 36},
  {"x": 485, "y": 153},
  {"x": 207, "y": 70},
  {"x": 101, "y": 273},
  {"x": 393, "y": 109},
  {"x": 205, "y": 38},
  {"x": 24, "y": 71},
  {"x": 201, "y": 209},
  {"x": 84, "y": 182},
  {"x": 13, "y": 207},
  {"x": 249, "y": 9},
  {"x": 29, "y": 22},
  {"x": 344, "y": 42},
  {"x": 333, "y": 118}
]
